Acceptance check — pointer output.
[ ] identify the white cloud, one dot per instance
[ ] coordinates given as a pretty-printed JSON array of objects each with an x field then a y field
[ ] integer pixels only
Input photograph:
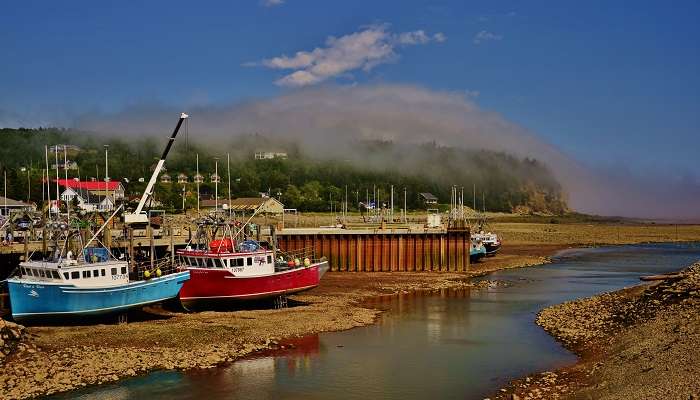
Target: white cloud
[
  {"x": 360, "y": 50},
  {"x": 485, "y": 36},
  {"x": 272, "y": 3},
  {"x": 472, "y": 94}
]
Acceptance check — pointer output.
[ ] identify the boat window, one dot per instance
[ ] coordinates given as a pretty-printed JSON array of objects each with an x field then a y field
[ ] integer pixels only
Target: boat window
[
  {"x": 96, "y": 273},
  {"x": 210, "y": 262},
  {"x": 250, "y": 260},
  {"x": 103, "y": 272},
  {"x": 41, "y": 273},
  {"x": 238, "y": 262},
  {"x": 222, "y": 264},
  {"x": 114, "y": 271},
  {"x": 21, "y": 270},
  {"x": 123, "y": 270},
  {"x": 75, "y": 275},
  {"x": 86, "y": 274},
  {"x": 55, "y": 275},
  {"x": 269, "y": 259},
  {"x": 65, "y": 275}
]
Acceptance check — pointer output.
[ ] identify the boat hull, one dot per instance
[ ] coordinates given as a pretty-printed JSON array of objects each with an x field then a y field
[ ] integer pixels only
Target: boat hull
[
  {"x": 212, "y": 286},
  {"x": 492, "y": 248},
  {"x": 32, "y": 301}
]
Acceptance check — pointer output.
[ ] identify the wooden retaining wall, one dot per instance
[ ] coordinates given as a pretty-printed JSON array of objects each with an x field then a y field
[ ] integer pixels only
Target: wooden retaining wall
[{"x": 387, "y": 252}]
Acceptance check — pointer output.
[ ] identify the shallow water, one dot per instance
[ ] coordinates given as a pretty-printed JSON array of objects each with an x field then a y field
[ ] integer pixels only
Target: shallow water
[{"x": 451, "y": 344}]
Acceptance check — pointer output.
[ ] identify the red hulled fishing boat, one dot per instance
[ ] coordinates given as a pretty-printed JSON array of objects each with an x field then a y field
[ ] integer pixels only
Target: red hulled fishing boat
[{"x": 224, "y": 269}]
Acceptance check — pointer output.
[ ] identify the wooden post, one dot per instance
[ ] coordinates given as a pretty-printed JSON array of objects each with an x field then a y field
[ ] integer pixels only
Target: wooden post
[
  {"x": 150, "y": 239},
  {"x": 172, "y": 247},
  {"x": 44, "y": 248},
  {"x": 26, "y": 246},
  {"x": 107, "y": 237},
  {"x": 131, "y": 248}
]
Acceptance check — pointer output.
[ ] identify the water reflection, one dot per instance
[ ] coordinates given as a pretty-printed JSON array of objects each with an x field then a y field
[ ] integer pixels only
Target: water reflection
[{"x": 443, "y": 344}]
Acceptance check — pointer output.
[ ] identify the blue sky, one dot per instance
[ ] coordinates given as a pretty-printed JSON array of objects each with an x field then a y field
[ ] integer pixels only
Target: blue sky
[{"x": 608, "y": 83}]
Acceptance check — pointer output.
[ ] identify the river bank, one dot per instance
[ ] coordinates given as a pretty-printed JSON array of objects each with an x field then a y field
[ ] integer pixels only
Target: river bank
[
  {"x": 641, "y": 342},
  {"x": 58, "y": 359}
]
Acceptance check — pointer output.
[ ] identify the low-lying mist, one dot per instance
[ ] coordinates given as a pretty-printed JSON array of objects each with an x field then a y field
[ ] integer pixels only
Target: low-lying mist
[{"x": 329, "y": 122}]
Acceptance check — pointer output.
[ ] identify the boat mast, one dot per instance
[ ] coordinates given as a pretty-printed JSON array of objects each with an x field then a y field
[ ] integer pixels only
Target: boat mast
[
  {"x": 228, "y": 172},
  {"x": 65, "y": 170},
  {"x": 137, "y": 216},
  {"x": 48, "y": 180}
]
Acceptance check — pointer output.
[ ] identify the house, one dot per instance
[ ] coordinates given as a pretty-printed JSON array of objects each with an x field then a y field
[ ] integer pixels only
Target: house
[
  {"x": 269, "y": 155},
  {"x": 215, "y": 178},
  {"x": 182, "y": 178},
  {"x": 165, "y": 178},
  {"x": 87, "y": 200},
  {"x": 70, "y": 165},
  {"x": 429, "y": 199},
  {"x": 99, "y": 188},
  {"x": 69, "y": 148},
  {"x": 266, "y": 205},
  {"x": 8, "y": 205},
  {"x": 198, "y": 178}
]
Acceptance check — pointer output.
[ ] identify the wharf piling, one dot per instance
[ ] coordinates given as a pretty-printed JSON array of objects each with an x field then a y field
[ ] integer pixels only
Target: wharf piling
[{"x": 383, "y": 250}]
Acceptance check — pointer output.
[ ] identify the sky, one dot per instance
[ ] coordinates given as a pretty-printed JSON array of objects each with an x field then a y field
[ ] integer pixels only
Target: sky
[{"x": 614, "y": 86}]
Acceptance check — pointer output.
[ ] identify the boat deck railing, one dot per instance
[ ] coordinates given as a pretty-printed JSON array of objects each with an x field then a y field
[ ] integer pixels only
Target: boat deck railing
[
  {"x": 165, "y": 266},
  {"x": 299, "y": 254}
]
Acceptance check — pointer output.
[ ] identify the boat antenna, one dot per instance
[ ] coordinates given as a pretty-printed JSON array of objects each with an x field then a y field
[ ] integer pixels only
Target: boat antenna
[{"x": 137, "y": 216}]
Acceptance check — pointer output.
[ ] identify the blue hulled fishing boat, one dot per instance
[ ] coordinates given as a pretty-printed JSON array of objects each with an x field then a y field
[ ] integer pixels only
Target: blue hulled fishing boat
[
  {"x": 93, "y": 283},
  {"x": 78, "y": 280}
]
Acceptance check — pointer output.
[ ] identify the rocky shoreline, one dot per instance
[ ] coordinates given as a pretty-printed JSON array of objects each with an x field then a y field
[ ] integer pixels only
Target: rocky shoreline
[{"x": 636, "y": 343}]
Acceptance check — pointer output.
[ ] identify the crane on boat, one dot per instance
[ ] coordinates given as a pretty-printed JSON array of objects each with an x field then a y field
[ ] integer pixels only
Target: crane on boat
[{"x": 138, "y": 216}]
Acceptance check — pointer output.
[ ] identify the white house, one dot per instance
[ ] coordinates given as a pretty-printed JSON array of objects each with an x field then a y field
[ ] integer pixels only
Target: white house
[{"x": 88, "y": 201}]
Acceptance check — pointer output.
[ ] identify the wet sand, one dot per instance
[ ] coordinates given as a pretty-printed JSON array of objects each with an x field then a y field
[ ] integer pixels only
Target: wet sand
[{"x": 57, "y": 359}]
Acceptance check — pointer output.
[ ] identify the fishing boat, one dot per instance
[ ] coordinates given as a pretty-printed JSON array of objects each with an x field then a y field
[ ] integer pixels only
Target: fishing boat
[
  {"x": 233, "y": 268},
  {"x": 491, "y": 242},
  {"x": 477, "y": 250},
  {"x": 89, "y": 282},
  {"x": 79, "y": 280}
]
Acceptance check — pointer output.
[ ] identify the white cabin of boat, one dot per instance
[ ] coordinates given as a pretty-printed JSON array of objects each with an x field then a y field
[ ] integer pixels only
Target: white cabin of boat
[
  {"x": 239, "y": 264},
  {"x": 70, "y": 272}
]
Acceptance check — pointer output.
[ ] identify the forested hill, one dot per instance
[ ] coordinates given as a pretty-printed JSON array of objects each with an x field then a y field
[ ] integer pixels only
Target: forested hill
[{"x": 307, "y": 183}]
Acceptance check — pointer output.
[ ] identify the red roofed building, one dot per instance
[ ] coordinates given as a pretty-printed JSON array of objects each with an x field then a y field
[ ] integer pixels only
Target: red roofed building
[{"x": 100, "y": 188}]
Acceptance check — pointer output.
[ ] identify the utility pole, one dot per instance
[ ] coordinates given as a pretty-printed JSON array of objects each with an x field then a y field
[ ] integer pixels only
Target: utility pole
[
  {"x": 405, "y": 210},
  {"x": 48, "y": 181},
  {"x": 58, "y": 196},
  {"x": 216, "y": 185},
  {"x": 197, "y": 179},
  {"x": 228, "y": 172},
  {"x": 391, "y": 214},
  {"x": 65, "y": 171}
]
